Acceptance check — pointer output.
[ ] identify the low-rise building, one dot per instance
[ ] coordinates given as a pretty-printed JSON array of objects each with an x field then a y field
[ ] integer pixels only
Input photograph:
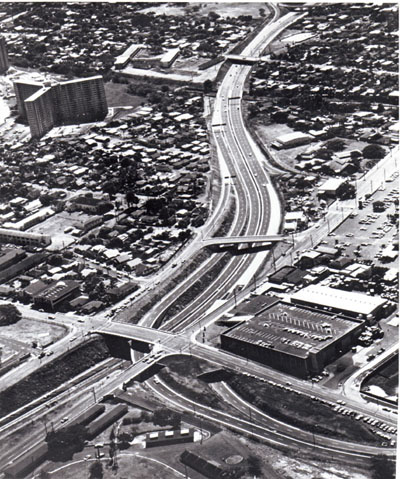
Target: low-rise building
[
  {"x": 291, "y": 140},
  {"x": 352, "y": 304},
  {"x": 55, "y": 293},
  {"x": 23, "y": 238},
  {"x": 170, "y": 56},
  {"x": 165, "y": 438},
  {"x": 10, "y": 257},
  {"x": 331, "y": 187},
  {"x": 88, "y": 204}
]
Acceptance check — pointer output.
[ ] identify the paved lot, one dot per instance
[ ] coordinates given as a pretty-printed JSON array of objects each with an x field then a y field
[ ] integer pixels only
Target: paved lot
[{"x": 372, "y": 231}]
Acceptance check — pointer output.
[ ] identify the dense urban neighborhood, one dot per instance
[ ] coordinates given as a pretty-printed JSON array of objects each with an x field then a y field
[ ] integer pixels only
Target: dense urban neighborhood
[{"x": 199, "y": 213}]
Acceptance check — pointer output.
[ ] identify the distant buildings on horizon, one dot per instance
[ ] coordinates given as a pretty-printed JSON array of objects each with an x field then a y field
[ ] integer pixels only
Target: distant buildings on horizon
[{"x": 45, "y": 105}]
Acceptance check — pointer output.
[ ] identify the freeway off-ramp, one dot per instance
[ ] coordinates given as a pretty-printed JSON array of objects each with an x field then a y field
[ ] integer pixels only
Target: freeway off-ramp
[{"x": 258, "y": 212}]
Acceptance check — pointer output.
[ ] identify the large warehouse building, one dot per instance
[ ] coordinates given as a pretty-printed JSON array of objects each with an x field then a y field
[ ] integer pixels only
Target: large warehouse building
[
  {"x": 355, "y": 305},
  {"x": 292, "y": 339}
]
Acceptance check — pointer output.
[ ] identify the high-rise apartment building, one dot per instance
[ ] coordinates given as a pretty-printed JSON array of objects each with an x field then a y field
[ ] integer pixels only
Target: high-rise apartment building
[
  {"x": 64, "y": 103},
  {"x": 3, "y": 56},
  {"x": 23, "y": 90},
  {"x": 80, "y": 101},
  {"x": 40, "y": 112}
]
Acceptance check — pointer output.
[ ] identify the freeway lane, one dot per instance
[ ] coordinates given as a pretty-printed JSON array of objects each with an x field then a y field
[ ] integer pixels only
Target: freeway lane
[{"x": 262, "y": 431}]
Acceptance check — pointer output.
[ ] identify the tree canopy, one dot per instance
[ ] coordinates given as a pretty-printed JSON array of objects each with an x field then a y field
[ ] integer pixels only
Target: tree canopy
[
  {"x": 9, "y": 314},
  {"x": 96, "y": 470},
  {"x": 65, "y": 442},
  {"x": 382, "y": 467},
  {"x": 373, "y": 152}
]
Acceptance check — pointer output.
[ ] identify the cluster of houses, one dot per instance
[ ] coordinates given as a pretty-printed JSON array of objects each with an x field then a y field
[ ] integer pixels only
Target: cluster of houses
[
  {"x": 80, "y": 38},
  {"x": 52, "y": 283},
  {"x": 128, "y": 191},
  {"x": 336, "y": 83}
]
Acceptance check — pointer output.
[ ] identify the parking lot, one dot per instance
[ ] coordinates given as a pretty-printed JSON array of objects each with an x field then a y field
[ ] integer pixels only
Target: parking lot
[{"x": 366, "y": 233}]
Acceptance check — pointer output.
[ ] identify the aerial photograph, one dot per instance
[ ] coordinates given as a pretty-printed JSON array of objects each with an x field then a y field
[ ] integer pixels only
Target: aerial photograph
[{"x": 199, "y": 240}]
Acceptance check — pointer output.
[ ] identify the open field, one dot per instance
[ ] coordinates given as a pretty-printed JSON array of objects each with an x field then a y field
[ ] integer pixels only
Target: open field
[
  {"x": 117, "y": 95},
  {"x": 127, "y": 462},
  {"x": 29, "y": 330}
]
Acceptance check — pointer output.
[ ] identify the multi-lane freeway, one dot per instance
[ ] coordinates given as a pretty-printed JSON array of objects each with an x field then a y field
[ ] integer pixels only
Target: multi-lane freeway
[{"x": 257, "y": 214}]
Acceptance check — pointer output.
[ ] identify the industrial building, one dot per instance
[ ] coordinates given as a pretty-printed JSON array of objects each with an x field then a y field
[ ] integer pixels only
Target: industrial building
[
  {"x": 47, "y": 105},
  {"x": 352, "y": 304},
  {"x": 4, "y": 64},
  {"x": 293, "y": 339}
]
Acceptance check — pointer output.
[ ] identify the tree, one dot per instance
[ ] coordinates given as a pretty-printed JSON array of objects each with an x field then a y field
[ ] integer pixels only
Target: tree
[
  {"x": 131, "y": 198},
  {"x": 9, "y": 314},
  {"x": 55, "y": 260},
  {"x": 373, "y": 152},
  {"x": 65, "y": 442},
  {"x": 96, "y": 470},
  {"x": 109, "y": 187},
  {"x": 45, "y": 200},
  {"x": 207, "y": 86},
  {"x": 336, "y": 144},
  {"x": 254, "y": 465},
  {"x": 382, "y": 467},
  {"x": 166, "y": 417}
]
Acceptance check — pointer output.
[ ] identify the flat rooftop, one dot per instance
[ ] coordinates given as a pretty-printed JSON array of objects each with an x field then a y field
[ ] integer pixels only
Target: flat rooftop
[
  {"x": 292, "y": 329},
  {"x": 349, "y": 301}
]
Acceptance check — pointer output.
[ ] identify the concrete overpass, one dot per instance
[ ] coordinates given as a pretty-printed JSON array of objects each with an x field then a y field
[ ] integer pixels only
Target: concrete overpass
[
  {"x": 135, "y": 332},
  {"x": 230, "y": 240},
  {"x": 121, "y": 338},
  {"x": 242, "y": 59}
]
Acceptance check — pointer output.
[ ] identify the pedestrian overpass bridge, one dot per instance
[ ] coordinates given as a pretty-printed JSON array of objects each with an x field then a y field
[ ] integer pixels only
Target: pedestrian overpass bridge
[{"x": 232, "y": 240}]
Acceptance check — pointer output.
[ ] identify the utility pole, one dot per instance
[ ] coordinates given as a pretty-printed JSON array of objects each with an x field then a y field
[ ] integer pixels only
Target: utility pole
[{"x": 94, "y": 395}]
